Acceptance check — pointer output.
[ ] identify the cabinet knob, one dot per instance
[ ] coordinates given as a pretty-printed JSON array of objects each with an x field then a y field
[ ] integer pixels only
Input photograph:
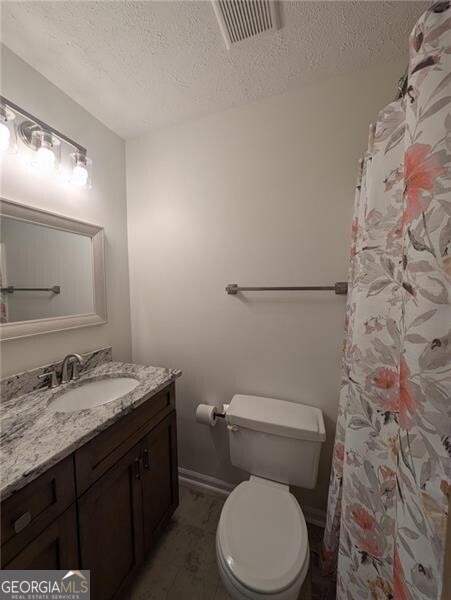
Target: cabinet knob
[
  {"x": 138, "y": 467},
  {"x": 22, "y": 522},
  {"x": 146, "y": 457}
]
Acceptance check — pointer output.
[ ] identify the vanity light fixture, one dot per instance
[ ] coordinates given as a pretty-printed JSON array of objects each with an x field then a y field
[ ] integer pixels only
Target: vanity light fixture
[
  {"x": 45, "y": 145},
  {"x": 50, "y": 148},
  {"x": 81, "y": 171},
  {"x": 7, "y": 129}
]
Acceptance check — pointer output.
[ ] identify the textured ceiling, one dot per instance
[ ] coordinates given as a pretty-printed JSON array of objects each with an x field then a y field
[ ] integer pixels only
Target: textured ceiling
[{"x": 142, "y": 65}]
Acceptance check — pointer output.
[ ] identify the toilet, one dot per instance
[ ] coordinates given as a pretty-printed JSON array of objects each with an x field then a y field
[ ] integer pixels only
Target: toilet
[{"x": 262, "y": 545}]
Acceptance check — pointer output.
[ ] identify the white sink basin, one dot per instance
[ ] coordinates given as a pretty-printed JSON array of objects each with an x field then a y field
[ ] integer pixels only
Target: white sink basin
[{"x": 93, "y": 392}]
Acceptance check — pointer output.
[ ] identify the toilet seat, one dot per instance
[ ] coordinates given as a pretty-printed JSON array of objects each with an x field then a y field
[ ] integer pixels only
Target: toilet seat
[{"x": 262, "y": 539}]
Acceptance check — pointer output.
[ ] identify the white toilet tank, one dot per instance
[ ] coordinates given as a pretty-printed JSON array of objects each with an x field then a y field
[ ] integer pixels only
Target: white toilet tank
[{"x": 276, "y": 439}]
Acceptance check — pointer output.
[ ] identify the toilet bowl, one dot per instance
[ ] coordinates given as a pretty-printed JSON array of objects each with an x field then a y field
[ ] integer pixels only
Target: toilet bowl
[
  {"x": 262, "y": 546},
  {"x": 262, "y": 542}
]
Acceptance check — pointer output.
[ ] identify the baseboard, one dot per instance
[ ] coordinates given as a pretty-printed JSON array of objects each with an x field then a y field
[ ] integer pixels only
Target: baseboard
[
  {"x": 314, "y": 516},
  {"x": 212, "y": 485},
  {"x": 204, "y": 483}
]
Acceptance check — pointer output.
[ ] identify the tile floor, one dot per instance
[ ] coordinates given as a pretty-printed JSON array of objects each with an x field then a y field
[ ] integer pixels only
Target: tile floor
[{"x": 183, "y": 565}]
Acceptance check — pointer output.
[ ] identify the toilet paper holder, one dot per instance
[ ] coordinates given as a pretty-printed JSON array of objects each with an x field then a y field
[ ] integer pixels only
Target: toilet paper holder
[
  {"x": 207, "y": 414},
  {"x": 223, "y": 413}
]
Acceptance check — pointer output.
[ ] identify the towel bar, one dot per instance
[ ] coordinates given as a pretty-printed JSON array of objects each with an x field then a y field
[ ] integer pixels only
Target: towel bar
[{"x": 340, "y": 288}]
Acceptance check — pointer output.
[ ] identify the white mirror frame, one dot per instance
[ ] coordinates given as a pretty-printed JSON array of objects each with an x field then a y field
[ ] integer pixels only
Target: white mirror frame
[{"x": 20, "y": 329}]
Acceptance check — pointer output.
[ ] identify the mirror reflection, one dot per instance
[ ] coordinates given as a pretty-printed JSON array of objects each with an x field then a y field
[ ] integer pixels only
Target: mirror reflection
[{"x": 44, "y": 272}]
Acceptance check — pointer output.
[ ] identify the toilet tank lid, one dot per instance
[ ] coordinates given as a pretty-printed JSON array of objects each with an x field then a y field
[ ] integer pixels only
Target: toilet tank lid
[{"x": 279, "y": 417}]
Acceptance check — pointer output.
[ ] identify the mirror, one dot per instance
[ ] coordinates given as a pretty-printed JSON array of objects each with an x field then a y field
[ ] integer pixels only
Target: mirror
[
  {"x": 51, "y": 272},
  {"x": 44, "y": 272}
]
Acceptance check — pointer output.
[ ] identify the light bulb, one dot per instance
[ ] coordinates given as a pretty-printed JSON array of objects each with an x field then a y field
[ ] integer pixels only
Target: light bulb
[
  {"x": 81, "y": 170},
  {"x": 5, "y": 136},
  {"x": 45, "y": 159},
  {"x": 79, "y": 176}
]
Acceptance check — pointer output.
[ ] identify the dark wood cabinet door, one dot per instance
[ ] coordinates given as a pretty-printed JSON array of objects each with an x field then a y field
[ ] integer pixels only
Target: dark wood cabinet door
[
  {"x": 110, "y": 525},
  {"x": 160, "y": 478},
  {"x": 55, "y": 548}
]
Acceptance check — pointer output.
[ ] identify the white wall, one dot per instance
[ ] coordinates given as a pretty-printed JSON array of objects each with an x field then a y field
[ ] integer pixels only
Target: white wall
[
  {"x": 37, "y": 257},
  {"x": 257, "y": 195},
  {"x": 104, "y": 205}
]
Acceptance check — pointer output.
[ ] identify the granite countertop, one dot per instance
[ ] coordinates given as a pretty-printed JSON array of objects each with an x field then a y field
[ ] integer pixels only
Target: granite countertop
[{"x": 34, "y": 438}]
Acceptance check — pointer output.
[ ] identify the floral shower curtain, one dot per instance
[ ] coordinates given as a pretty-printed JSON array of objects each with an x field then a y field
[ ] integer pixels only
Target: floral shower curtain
[{"x": 391, "y": 475}]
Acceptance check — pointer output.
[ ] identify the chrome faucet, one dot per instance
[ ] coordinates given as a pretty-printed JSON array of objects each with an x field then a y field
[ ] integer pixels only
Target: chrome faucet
[
  {"x": 77, "y": 361},
  {"x": 53, "y": 381}
]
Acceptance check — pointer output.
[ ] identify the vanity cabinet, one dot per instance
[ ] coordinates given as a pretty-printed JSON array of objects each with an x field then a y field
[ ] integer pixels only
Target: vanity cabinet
[
  {"x": 56, "y": 547},
  {"x": 103, "y": 507},
  {"x": 122, "y": 514},
  {"x": 159, "y": 479},
  {"x": 110, "y": 522},
  {"x": 28, "y": 512},
  {"x": 97, "y": 456}
]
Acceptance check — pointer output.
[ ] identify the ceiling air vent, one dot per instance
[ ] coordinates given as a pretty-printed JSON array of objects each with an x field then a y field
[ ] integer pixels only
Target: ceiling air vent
[{"x": 242, "y": 19}]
